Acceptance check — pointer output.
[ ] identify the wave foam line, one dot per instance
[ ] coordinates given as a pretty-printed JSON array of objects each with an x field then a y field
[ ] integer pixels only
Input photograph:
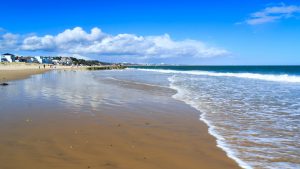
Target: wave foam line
[
  {"x": 266, "y": 77},
  {"x": 211, "y": 129}
]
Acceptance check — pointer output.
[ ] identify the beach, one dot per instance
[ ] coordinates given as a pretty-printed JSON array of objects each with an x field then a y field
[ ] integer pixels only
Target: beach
[
  {"x": 11, "y": 71},
  {"x": 17, "y": 71},
  {"x": 8, "y": 75},
  {"x": 78, "y": 119},
  {"x": 149, "y": 84}
]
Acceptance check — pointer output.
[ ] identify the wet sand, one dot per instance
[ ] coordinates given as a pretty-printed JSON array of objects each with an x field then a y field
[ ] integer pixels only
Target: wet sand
[{"x": 139, "y": 135}]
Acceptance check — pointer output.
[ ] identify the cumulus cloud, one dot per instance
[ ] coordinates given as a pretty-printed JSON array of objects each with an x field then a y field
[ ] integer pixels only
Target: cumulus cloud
[
  {"x": 9, "y": 41},
  {"x": 64, "y": 41},
  {"x": 78, "y": 42},
  {"x": 272, "y": 14}
]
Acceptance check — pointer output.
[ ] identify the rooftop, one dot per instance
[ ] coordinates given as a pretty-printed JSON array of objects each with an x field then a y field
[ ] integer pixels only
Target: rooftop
[{"x": 8, "y": 54}]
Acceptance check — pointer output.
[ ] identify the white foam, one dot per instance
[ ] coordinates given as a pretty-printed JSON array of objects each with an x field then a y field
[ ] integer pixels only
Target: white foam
[
  {"x": 211, "y": 129},
  {"x": 266, "y": 77}
]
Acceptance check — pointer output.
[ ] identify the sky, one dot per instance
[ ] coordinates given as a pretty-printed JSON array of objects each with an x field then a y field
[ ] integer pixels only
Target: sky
[{"x": 198, "y": 32}]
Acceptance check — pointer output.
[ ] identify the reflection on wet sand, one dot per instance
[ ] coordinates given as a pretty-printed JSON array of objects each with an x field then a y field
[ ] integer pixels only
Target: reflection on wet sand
[{"x": 68, "y": 119}]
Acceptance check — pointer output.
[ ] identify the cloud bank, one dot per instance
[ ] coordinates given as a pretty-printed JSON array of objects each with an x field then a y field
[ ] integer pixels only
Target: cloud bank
[
  {"x": 77, "y": 41},
  {"x": 272, "y": 14}
]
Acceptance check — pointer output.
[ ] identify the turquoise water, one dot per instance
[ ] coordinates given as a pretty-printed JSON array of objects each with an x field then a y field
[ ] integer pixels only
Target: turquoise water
[
  {"x": 253, "y": 111},
  {"x": 291, "y": 70}
]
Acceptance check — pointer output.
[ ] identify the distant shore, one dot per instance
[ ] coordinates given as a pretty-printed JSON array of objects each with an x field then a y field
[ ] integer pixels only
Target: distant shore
[{"x": 17, "y": 71}]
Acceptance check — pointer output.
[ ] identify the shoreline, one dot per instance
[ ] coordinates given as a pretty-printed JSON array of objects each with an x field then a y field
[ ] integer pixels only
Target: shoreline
[
  {"x": 162, "y": 133},
  {"x": 19, "y": 71},
  {"x": 210, "y": 128}
]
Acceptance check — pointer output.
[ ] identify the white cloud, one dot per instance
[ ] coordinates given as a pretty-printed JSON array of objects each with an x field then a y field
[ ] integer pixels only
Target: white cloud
[
  {"x": 9, "y": 41},
  {"x": 78, "y": 35},
  {"x": 39, "y": 43},
  {"x": 272, "y": 14},
  {"x": 64, "y": 41},
  {"x": 78, "y": 42}
]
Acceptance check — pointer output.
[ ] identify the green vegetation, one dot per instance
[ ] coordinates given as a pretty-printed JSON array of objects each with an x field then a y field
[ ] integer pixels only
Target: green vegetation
[
  {"x": 106, "y": 67},
  {"x": 85, "y": 62}
]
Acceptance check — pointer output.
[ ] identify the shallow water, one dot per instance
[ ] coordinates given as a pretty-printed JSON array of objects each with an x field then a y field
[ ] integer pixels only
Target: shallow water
[{"x": 81, "y": 91}]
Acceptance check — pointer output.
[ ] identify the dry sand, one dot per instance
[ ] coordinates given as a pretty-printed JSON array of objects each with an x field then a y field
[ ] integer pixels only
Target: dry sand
[
  {"x": 8, "y": 75},
  {"x": 166, "y": 136},
  {"x": 17, "y": 71}
]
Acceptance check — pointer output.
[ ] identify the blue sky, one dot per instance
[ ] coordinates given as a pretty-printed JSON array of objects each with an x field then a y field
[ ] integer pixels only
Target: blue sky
[{"x": 179, "y": 32}]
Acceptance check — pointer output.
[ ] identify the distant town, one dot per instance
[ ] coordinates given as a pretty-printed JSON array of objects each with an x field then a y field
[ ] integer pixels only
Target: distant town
[
  {"x": 55, "y": 60},
  {"x": 66, "y": 61}
]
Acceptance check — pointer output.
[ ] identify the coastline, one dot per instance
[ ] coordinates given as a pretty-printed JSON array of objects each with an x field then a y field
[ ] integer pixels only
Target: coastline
[
  {"x": 18, "y": 71},
  {"x": 162, "y": 133}
]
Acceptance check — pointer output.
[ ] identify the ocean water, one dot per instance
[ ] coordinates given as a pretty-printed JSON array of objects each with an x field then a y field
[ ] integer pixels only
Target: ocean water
[{"x": 253, "y": 111}]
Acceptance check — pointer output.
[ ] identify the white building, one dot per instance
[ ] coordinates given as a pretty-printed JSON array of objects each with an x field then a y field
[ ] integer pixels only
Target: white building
[
  {"x": 7, "y": 57},
  {"x": 44, "y": 60}
]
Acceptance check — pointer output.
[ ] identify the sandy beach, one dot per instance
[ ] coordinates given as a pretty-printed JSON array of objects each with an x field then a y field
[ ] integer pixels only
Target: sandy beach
[
  {"x": 17, "y": 71},
  {"x": 8, "y": 75},
  {"x": 146, "y": 130}
]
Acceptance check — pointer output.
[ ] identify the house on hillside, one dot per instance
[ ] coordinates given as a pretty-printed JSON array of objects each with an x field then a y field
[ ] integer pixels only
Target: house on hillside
[
  {"x": 55, "y": 61},
  {"x": 44, "y": 60},
  {"x": 7, "y": 57},
  {"x": 26, "y": 59},
  {"x": 66, "y": 61}
]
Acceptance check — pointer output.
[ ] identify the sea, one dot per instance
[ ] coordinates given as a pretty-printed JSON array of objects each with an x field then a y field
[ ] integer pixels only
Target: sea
[{"x": 252, "y": 111}]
